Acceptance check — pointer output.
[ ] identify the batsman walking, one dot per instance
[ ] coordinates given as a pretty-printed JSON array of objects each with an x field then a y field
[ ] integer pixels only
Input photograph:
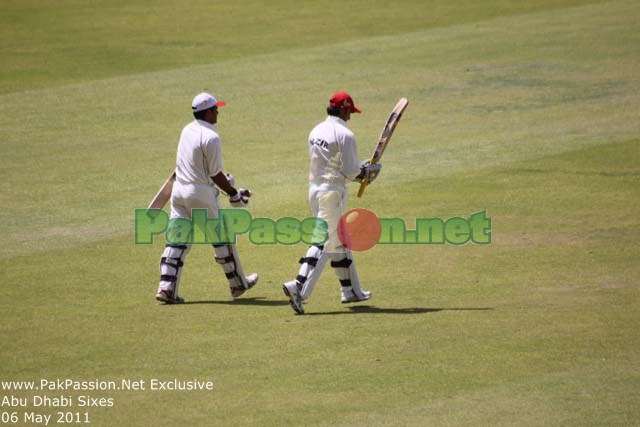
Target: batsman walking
[
  {"x": 198, "y": 168},
  {"x": 333, "y": 163}
]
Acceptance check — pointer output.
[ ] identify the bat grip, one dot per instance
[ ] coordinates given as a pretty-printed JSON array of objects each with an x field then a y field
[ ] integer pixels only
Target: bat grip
[{"x": 363, "y": 185}]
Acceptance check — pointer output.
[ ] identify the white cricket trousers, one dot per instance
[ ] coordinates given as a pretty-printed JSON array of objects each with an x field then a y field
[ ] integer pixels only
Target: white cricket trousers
[
  {"x": 327, "y": 201},
  {"x": 185, "y": 197}
]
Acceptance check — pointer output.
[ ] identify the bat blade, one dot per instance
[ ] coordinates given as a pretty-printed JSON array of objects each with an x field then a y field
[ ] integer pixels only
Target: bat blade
[
  {"x": 385, "y": 136},
  {"x": 164, "y": 194}
]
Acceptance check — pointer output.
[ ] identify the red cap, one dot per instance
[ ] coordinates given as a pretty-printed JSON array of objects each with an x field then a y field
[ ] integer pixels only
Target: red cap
[{"x": 343, "y": 99}]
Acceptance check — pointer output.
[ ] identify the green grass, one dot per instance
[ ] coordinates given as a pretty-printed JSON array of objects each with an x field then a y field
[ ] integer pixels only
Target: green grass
[
  {"x": 529, "y": 110},
  {"x": 70, "y": 41}
]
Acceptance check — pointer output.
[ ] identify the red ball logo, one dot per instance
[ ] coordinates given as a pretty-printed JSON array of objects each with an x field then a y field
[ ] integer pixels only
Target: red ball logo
[{"x": 359, "y": 229}]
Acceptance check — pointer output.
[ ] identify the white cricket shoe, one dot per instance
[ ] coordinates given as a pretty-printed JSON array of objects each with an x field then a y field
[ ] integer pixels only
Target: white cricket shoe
[
  {"x": 166, "y": 296},
  {"x": 348, "y": 295},
  {"x": 252, "y": 280},
  {"x": 292, "y": 290}
]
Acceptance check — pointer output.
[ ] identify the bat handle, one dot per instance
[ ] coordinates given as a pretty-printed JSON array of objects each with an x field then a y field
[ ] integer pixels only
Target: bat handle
[{"x": 363, "y": 185}]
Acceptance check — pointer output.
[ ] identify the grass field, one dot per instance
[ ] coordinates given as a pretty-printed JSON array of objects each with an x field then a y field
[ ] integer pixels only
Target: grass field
[{"x": 530, "y": 110}]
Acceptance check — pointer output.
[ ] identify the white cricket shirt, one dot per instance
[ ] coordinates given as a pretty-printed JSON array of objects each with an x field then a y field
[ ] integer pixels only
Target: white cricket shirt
[
  {"x": 199, "y": 154},
  {"x": 333, "y": 152}
]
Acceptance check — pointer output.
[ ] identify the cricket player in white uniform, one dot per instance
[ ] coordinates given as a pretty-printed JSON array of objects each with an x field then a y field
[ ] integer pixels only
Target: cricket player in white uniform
[
  {"x": 334, "y": 163},
  {"x": 198, "y": 168}
]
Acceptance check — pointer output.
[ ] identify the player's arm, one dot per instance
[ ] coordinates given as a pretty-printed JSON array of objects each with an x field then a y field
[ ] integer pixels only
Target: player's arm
[
  {"x": 237, "y": 197},
  {"x": 223, "y": 183},
  {"x": 358, "y": 172},
  {"x": 351, "y": 167},
  {"x": 350, "y": 162}
]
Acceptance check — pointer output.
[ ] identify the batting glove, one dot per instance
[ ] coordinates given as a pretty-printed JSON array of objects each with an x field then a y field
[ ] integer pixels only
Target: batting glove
[
  {"x": 240, "y": 199},
  {"x": 369, "y": 171}
]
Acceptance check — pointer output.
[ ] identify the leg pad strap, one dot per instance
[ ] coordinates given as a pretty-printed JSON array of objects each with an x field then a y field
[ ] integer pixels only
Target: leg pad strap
[{"x": 343, "y": 263}]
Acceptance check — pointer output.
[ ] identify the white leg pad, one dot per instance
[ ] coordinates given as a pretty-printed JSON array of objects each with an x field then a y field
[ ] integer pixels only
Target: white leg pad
[
  {"x": 227, "y": 256},
  {"x": 311, "y": 269},
  {"x": 345, "y": 268},
  {"x": 171, "y": 264}
]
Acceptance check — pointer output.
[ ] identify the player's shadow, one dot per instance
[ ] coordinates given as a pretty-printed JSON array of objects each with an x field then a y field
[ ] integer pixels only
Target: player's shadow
[
  {"x": 258, "y": 301},
  {"x": 370, "y": 309}
]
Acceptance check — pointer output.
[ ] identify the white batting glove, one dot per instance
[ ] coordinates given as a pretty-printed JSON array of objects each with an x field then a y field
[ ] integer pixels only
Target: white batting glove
[
  {"x": 240, "y": 199},
  {"x": 369, "y": 171}
]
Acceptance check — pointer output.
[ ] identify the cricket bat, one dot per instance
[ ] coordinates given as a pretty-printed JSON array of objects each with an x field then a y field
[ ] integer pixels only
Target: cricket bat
[
  {"x": 163, "y": 196},
  {"x": 385, "y": 136}
]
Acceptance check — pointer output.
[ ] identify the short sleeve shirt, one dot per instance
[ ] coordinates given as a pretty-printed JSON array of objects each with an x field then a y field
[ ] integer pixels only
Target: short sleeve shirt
[{"x": 199, "y": 154}]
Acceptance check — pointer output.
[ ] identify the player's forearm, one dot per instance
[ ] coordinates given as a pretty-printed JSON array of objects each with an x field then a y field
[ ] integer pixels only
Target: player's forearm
[
  {"x": 351, "y": 170},
  {"x": 223, "y": 183}
]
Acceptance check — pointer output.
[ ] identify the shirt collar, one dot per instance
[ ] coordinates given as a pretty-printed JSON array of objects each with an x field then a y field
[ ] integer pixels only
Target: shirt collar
[
  {"x": 337, "y": 120},
  {"x": 206, "y": 124}
]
